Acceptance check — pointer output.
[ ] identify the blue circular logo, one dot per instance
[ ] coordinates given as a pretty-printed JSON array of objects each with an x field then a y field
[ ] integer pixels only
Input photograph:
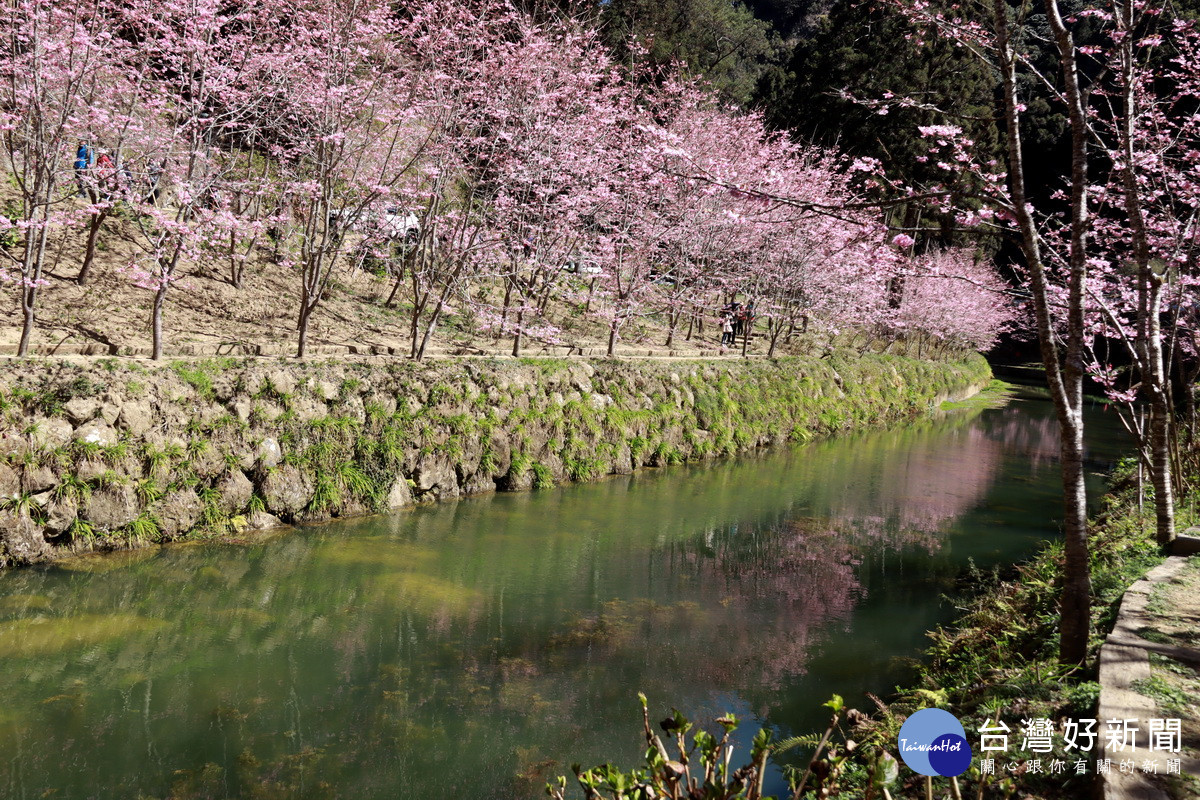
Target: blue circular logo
[{"x": 933, "y": 742}]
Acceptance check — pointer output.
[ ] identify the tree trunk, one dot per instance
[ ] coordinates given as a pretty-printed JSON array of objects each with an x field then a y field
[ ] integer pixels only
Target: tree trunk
[
  {"x": 414, "y": 324},
  {"x": 504, "y": 310},
  {"x": 516, "y": 348},
  {"x": 776, "y": 333},
  {"x": 429, "y": 329},
  {"x": 1075, "y": 607},
  {"x": 1156, "y": 386},
  {"x": 1063, "y": 377},
  {"x": 302, "y": 327},
  {"x": 1160, "y": 471},
  {"x": 237, "y": 262},
  {"x": 1149, "y": 286},
  {"x": 674, "y": 324},
  {"x": 89, "y": 253},
  {"x": 31, "y": 274},
  {"x": 1076, "y": 603},
  {"x": 395, "y": 289},
  {"x": 28, "y": 302},
  {"x": 156, "y": 349},
  {"x": 612, "y": 339}
]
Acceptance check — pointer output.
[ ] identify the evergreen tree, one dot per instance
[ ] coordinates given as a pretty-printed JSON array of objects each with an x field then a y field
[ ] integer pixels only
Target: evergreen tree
[
  {"x": 722, "y": 41},
  {"x": 864, "y": 51}
]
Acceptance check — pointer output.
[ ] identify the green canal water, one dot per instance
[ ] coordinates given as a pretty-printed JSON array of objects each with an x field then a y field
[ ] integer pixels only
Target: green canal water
[{"x": 476, "y": 649}]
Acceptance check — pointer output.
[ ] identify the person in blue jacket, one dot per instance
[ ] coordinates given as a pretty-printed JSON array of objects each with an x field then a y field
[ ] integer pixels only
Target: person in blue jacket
[{"x": 83, "y": 161}]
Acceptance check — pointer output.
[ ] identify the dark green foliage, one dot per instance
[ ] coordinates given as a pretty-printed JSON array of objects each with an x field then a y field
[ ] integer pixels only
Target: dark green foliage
[
  {"x": 145, "y": 528},
  {"x": 700, "y": 767},
  {"x": 865, "y": 48},
  {"x": 720, "y": 41}
]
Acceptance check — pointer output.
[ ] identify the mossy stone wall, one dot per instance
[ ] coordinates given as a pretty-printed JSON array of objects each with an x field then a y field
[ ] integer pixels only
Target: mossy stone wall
[{"x": 114, "y": 453}]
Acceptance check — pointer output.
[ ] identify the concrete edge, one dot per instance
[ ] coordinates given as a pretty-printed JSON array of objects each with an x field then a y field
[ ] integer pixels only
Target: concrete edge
[
  {"x": 958, "y": 395},
  {"x": 1124, "y": 660}
]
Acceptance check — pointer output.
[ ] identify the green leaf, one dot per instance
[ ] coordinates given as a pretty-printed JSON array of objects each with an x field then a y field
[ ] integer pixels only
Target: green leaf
[
  {"x": 885, "y": 770},
  {"x": 762, "y": 740}
]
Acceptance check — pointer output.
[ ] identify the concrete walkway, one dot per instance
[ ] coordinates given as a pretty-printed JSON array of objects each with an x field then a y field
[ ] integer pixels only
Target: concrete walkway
[
  {"x": 1154, "y": 612},
  {"x": 288, "y": 350}
]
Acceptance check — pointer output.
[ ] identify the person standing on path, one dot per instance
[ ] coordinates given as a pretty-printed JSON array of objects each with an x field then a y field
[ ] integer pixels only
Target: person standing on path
[
  {"x": 83, "y": 161},
  {"x": 739, "y": 321},
  {"x": 726, "y": 329},
  {"x": 106, "y": 173}
]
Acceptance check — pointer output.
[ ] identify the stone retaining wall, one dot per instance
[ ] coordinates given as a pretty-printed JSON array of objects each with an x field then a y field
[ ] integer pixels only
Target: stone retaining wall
[{"x": 116, "y": 452}]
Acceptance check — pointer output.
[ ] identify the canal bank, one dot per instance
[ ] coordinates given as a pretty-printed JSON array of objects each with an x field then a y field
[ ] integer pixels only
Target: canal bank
[
  {"x": 478, "y": 648},
  {"x": 996, "y": 663},
  {"x": 114, "y": 453}
]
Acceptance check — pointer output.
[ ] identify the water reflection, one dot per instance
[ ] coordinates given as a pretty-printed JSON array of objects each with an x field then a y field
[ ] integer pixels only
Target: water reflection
[{"x": 477, "y": 648}]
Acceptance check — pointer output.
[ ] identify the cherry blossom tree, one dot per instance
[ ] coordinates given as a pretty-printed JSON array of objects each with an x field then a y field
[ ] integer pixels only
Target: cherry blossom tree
[
  {"x": 1064, "y": 253},
  {"x": 515, "y": 141},
  {"x": 633, "y": 211},
  {"x": 195, "y": 61},
  {"x": 990, "y": 32},
  {"x": 957, "y": 299},
  {"x": 800, "y": 251},
  {"x": 1145, "y": 225},
  {"x": 549, "y": 89},
  {"x": 53, "y": 69},
  {"x": 453, "y": 188},
  {"x": 351, "y": 137}
]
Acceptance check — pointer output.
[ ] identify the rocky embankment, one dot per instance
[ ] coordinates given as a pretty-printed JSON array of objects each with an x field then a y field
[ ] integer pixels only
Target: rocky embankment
[{"x": 115, "y": 453}]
